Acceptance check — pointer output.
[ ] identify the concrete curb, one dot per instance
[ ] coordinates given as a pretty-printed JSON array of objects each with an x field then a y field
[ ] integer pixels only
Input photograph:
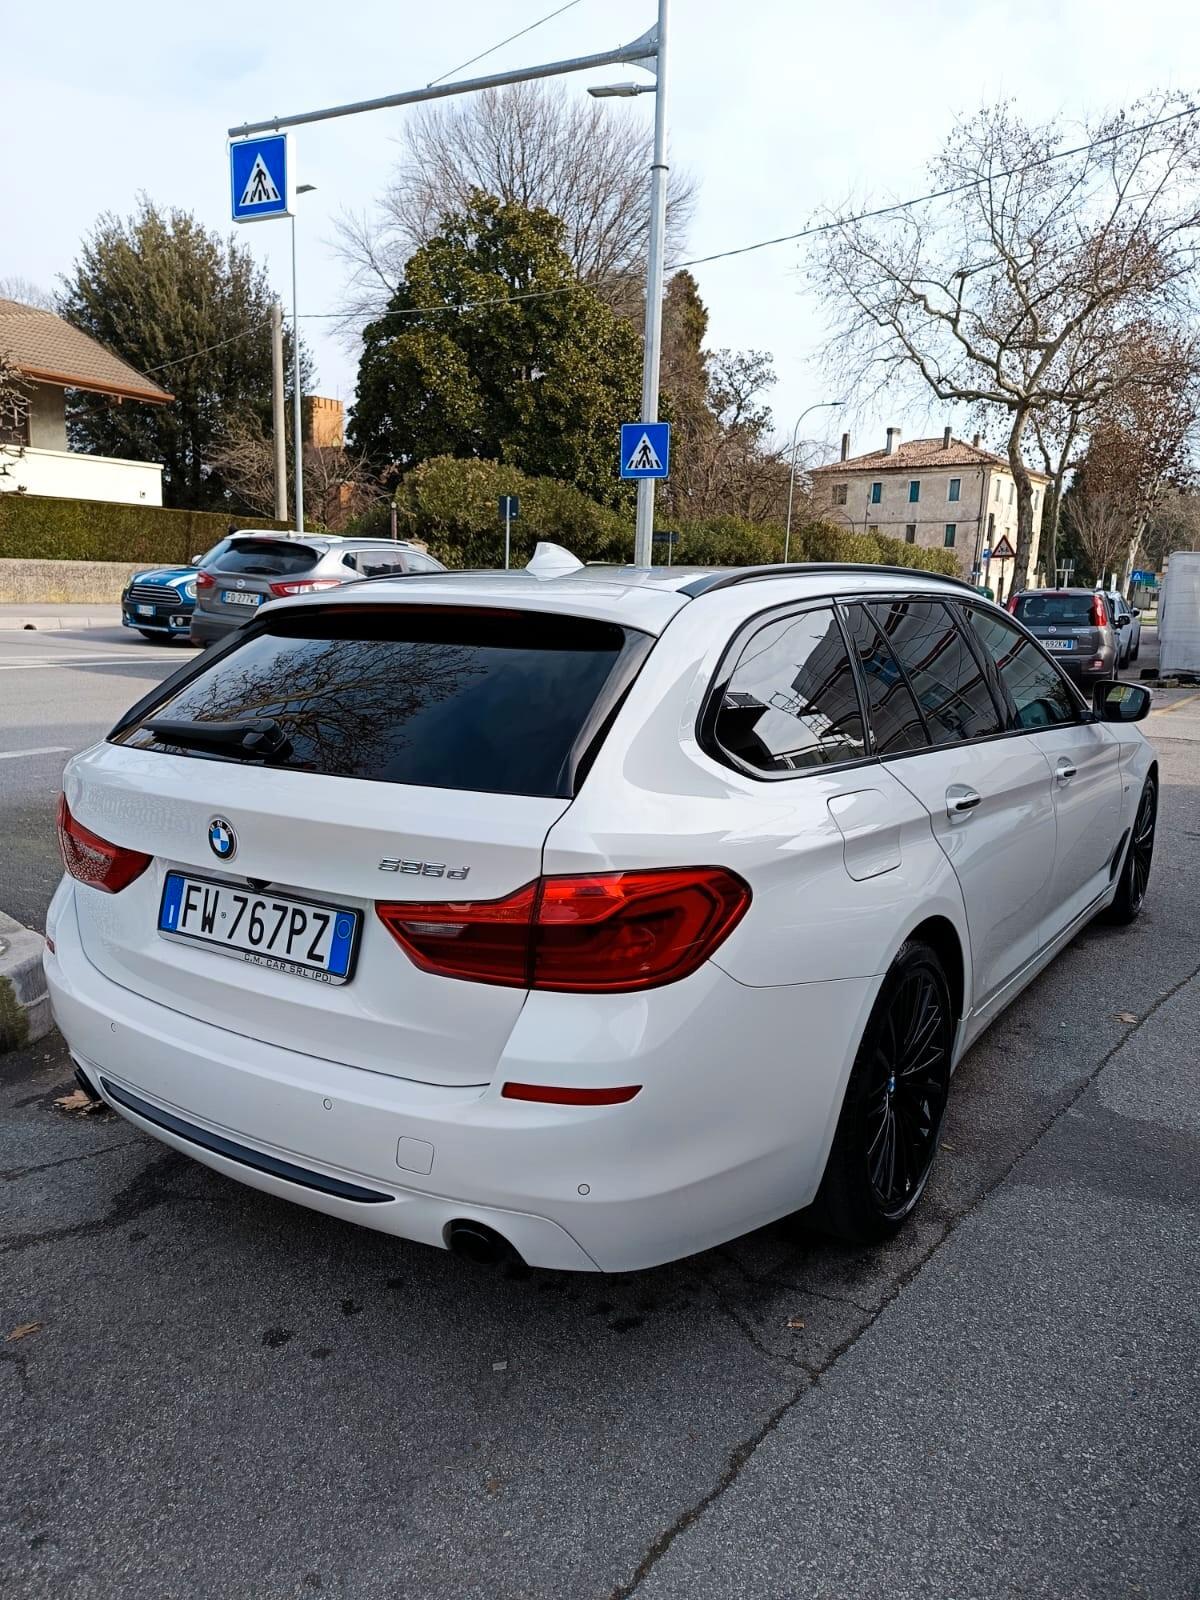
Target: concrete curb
[
  {"x": 24, "y": 1002},
  {"x": 53, "y": 624}
]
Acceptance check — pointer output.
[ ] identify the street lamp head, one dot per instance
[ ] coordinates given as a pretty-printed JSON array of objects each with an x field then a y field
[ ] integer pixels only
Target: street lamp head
[{"x": 622, "y": 91}]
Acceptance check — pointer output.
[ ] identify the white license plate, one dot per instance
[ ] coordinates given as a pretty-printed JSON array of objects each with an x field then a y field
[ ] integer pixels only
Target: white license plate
[
  {"x": 235, "y": 597},
  {"x": 1059, "y": 644},
  {"x": 145, "y": 611},
  {"x": 298, "y": 936}
]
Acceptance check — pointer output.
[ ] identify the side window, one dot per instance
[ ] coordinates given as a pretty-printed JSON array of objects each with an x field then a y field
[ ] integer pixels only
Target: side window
[
  {"x": 378, "y": 563},
  {"x": 946, "y": 678},
  {"x": 1031, "y": 687},
  {"x": 790, "y": 703},
  {"x": 414, "y": 562},
  {"x": 896, "y": 723}
]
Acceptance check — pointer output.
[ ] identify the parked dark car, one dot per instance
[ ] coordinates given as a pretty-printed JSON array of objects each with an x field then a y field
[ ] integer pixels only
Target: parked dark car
[
  {"x": 1076, "y": 625},
  {"x": 246, "y": 570},
  {"x": 159, "y": 603}
]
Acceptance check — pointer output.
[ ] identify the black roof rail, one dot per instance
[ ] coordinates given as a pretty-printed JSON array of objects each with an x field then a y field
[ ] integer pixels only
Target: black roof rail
[{"x": 798, "y": 569}]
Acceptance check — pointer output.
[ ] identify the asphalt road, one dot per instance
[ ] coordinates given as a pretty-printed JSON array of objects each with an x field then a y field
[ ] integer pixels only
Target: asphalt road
[
  {"x": 59, "y": 692},
  {"x": 230, "y": 1395}
]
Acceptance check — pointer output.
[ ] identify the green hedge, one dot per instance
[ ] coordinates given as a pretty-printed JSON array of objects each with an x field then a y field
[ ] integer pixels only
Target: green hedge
[
  {"x": 452, "y": 506},
  {"x": 40, "y": 527}
]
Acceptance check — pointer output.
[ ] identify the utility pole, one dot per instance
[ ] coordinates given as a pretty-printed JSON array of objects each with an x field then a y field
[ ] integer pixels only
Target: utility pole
[{"x": 277, "y": 412}]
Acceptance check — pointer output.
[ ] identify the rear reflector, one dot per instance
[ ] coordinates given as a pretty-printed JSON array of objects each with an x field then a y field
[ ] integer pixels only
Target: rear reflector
[
  {"x": 609, "y": 932},
  {"x": 554, "y": 1095},
  {"x": 93, "y": 860}
]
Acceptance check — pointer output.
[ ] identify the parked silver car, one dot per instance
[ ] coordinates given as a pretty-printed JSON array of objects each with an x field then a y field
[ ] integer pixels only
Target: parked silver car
[
  {"x": 1129, "y": 621},
  {"x": 248, "y": 569}
]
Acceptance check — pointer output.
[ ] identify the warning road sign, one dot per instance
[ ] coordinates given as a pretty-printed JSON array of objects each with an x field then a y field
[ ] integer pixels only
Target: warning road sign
[
  {"x": 258, "y": 178},
  {"x": 645, "y": 449},
  {"x": 1002, "y": 550}
]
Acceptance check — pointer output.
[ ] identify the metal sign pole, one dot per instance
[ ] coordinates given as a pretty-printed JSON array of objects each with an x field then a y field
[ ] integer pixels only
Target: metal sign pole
[
  {"x": 297, "y": 399},
  {"x": 507, "y": 531},
  {"x": 654, "y": 287}
]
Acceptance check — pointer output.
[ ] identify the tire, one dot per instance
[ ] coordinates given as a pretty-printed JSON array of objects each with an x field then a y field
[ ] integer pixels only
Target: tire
[
  {"x": 1137, "y": 652},
  {"x": 870, "y": 1187},
  {"x": 1139, "y": 855}
]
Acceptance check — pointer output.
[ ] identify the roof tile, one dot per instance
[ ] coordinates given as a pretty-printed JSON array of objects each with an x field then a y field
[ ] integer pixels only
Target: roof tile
[{"x": 43, "y": 346}]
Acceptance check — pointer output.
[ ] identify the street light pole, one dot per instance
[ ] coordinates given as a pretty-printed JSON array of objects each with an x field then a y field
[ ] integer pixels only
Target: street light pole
[
  {"x": 643, "y": 546},
  {"x": 648, "y": 52},
  {"x": 821, "y": 405},
  {"x": 297, "y": 402}
]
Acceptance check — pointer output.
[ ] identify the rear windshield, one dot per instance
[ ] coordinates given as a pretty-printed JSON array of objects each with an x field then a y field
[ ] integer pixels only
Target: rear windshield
[
  {"x": 266, "y": 558},
  {"x": 503, "y": 703},
  {"x": 1074, "y": 610}
]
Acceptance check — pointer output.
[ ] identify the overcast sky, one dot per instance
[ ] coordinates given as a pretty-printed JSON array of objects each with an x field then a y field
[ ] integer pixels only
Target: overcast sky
[{"x": 778, "y": 108}]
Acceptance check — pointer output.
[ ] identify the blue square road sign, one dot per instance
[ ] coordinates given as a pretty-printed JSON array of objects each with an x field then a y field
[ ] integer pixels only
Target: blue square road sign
[
  {"x": 645, "y": 449},
  {"x": 258, "y": 178}
]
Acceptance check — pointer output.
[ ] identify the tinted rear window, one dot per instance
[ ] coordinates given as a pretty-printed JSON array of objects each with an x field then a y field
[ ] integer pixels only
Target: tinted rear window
[
  {"x": 266, "y": 558},
  {"x": 444, "y": 699},
  {"x": 945, "y": 676},
  {"x": 1071, "y": 610}
]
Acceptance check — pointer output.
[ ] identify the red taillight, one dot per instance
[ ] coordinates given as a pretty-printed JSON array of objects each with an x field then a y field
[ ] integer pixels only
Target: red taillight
[
  {"x": 303, "y": 586},
  {"x": 605, "y": 933},
  {"x": 1099, "y": 611},
  {"x": 1011, "y": 603},
  {"x": 205, "y": 580},
  {"x": 93, "y": 860}
]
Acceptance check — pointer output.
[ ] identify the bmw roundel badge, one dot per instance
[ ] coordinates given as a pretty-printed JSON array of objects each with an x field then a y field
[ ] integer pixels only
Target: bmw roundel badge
[{"x": 222, "y": 840}]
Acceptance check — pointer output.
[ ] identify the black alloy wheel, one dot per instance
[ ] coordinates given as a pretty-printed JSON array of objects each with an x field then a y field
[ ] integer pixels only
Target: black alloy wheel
[
  {"x": 895, "y": 1102},
  {"x": 1139, "y": 855}
]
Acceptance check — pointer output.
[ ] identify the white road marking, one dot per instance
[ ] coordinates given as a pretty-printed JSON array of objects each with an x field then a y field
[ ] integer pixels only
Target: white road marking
[
  {"x": 42, "y": 750},
  {"x": 74, "y": 661}
]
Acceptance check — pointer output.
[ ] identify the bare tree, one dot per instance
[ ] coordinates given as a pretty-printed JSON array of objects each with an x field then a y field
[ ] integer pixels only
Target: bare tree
[
  {"x": 537, "y": 146},
  {"x": 1100, "y": 523},
  {"x": 26, "y": 292},
  {"x": 14, "y": 414},
  {"x": 338, "y": 484},
  {"x": 1012, "y": 292}
]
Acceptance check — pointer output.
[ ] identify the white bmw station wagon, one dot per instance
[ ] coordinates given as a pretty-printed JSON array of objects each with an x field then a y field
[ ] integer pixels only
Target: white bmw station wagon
[{"x": 593, "y": 915}]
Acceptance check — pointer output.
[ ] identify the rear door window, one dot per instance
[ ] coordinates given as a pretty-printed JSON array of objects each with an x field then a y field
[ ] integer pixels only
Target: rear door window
[
  {"x": 941, "y": 667},
  {"x": 448, "y": 699},
  {"x": 896, "y": 722},
  {"x": 1031, "y": 687},
  {"x": 790, "y": 702},
  {"x": 266, "y": 558}
]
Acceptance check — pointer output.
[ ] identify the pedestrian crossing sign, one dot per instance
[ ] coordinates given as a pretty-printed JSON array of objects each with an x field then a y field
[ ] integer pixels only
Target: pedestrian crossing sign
[
  {"x": 645, "y": 449},
  {"x": 258, "y": 177}
]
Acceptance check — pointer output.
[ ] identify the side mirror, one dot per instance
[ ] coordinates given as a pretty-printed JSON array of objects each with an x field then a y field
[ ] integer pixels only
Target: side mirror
[
  {"x": 1121, "y": 702},
  {"x": 1135, "y": 611},
  {"x": 196, "y": 560},
  {"x": 1124, "y": 621}
]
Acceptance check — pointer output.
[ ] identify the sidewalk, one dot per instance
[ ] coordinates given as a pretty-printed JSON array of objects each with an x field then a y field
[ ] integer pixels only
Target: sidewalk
[
  {"x": 48, "y": 618},
  {"x": 1021, "y": 1419}
]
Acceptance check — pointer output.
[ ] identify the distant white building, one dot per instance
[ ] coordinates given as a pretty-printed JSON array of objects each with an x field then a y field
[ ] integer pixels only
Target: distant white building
[
  {"x": 942, "y": 493},
  {"x": 52, "y": 357}
]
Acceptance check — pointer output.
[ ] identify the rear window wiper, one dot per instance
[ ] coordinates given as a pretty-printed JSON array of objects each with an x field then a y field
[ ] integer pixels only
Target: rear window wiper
[{"x": 257, "y": 737}]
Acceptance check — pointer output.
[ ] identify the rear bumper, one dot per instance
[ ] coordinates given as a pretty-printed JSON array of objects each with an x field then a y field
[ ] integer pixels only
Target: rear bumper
[
  {"x": 731, "y": 1131},
  {"x": 207, "y": 628}
]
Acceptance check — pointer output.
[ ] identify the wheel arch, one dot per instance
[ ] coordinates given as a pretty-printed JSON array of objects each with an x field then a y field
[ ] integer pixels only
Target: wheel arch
[{"x": 943, "y": 938}]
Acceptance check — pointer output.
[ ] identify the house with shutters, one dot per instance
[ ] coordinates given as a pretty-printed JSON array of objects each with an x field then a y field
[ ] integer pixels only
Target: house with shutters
[
  {"x": 942, "y": 493},
  {"x": 50, "y": 357}
]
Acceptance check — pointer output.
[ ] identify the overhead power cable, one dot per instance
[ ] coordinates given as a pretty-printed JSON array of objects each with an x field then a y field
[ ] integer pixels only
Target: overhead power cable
[
  {"x": 738, "y": 250},
  {"x": 519, "y": 35}
]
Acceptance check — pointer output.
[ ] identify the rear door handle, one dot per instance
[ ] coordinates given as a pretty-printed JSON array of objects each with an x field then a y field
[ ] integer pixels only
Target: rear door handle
[
  {"x": 961, "y": 801},
  {"x": 1064, "y": 771}
]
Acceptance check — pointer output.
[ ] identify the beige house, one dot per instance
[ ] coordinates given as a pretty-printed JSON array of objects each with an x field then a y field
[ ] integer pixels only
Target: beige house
[
  {"x": 941, "y": 493},
  {"x": 51, "y": 357}
]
